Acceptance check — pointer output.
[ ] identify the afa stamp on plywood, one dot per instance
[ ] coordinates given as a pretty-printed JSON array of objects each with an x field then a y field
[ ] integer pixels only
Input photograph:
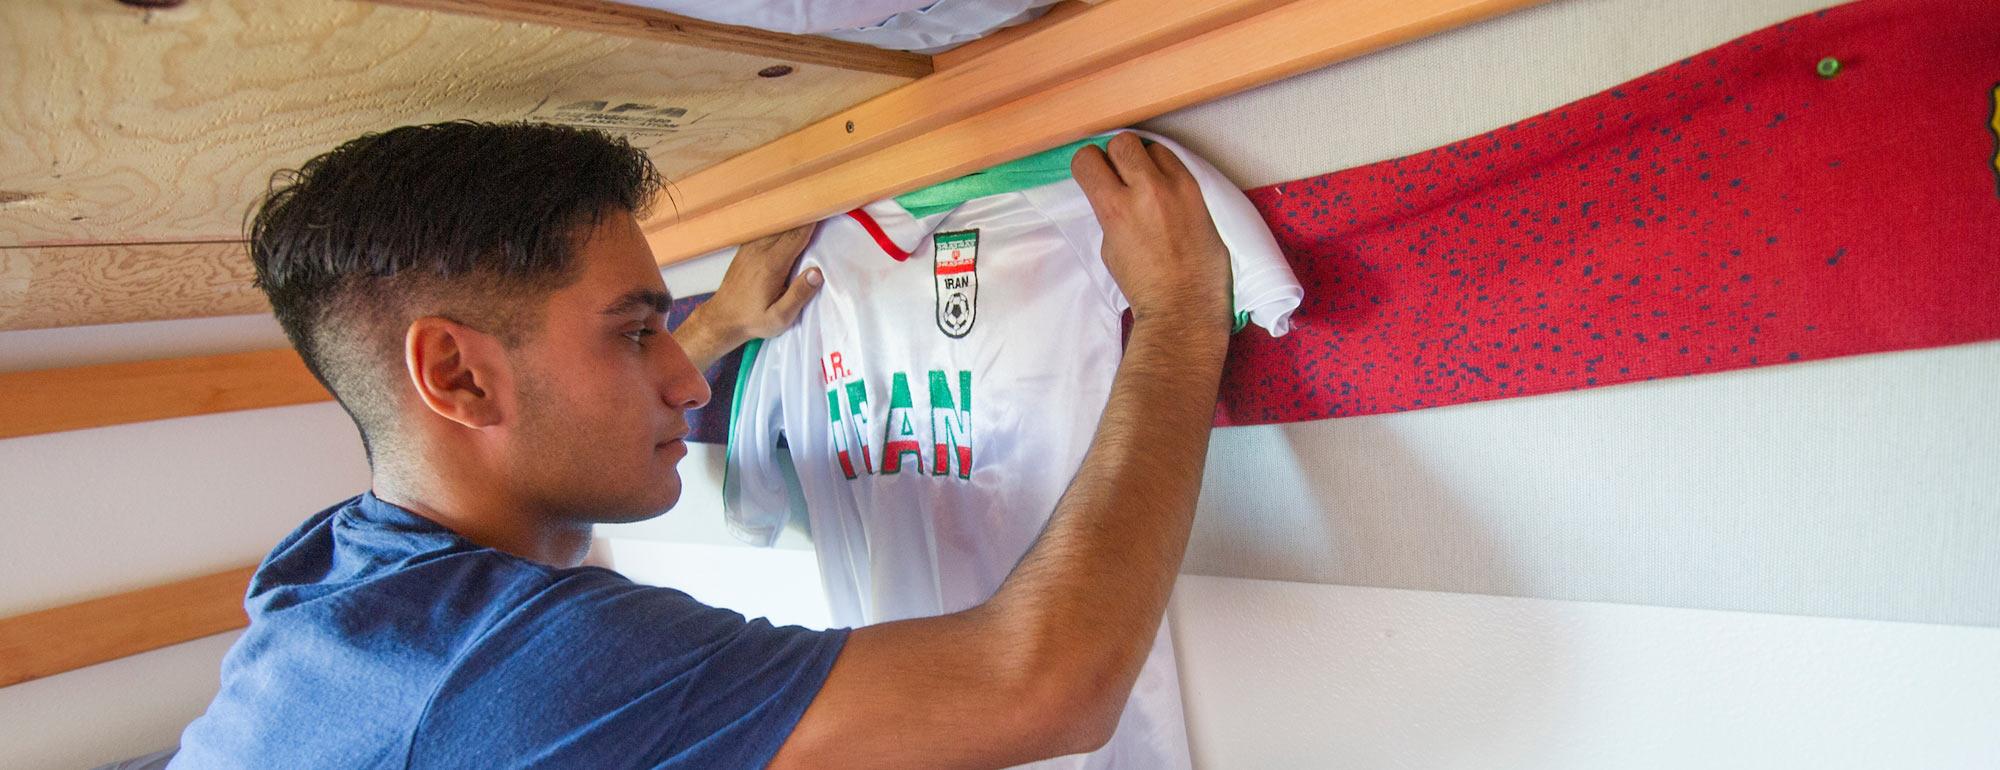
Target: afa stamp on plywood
[{"x": 630, "y": 118}]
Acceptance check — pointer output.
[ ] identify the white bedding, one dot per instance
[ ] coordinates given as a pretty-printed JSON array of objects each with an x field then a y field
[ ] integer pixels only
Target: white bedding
[{"x": 907, "y": 25}]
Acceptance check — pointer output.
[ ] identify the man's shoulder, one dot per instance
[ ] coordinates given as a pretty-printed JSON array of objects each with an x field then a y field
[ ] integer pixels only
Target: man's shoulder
[{"x": 365, "y": 556}]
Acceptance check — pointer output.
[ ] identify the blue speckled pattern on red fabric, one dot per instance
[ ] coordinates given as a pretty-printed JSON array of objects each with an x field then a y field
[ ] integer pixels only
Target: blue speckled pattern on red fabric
[{"x": 1734, "y": 209}]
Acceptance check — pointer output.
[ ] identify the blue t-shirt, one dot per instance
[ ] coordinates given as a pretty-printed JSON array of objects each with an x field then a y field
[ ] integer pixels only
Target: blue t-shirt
[{"x": 380, "y": 639}]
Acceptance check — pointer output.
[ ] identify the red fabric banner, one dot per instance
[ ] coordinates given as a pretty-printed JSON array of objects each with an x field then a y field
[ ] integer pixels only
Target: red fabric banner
[{"x": 1826, "y": 187}]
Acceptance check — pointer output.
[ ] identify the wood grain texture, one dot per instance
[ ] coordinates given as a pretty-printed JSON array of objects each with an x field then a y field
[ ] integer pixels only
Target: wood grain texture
[
  {"x": 1275, "y": 43},
  {"x": 80, "y": 397},
  {"x": 1073, "y": 44},
  {"x": 653, "y": 24},
  {"x": 121, "y": 125},
  {"x": 52, "y": 641},
  {"x": 44, "y": 287}
]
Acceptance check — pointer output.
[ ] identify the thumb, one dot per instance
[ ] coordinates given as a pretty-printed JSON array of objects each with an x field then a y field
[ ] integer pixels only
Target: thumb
[{"x": 801, "y": 291}]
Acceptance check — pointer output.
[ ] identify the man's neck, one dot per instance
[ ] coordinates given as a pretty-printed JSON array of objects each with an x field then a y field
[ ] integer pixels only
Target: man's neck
[{"x": 488, "y": 519}]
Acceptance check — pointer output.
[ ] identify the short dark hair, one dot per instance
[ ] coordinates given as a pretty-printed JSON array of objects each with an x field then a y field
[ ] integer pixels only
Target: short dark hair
[{"x": 476, "y": 222}]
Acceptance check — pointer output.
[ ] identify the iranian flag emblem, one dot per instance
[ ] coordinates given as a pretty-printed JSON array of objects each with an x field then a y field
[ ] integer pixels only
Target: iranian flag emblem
[{"x": 956, "y": 257}]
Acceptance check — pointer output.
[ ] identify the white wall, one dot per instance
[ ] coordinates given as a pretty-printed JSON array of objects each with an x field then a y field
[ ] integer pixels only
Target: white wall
[
  {"x": 1291, "y": 675},
  {"x": 1863, "y": 488}
]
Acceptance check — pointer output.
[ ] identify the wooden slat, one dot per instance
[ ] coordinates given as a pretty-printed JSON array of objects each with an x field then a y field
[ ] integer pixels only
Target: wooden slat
[
  {"x": 44, "y": 287},
  {"x": 79, "y": 397},
  {"x": 66, "y": 638},
  {"x": 1073, "y": 44},
  {"x": 1276, "y": 43},
  {"x": 652, "y": 24}
]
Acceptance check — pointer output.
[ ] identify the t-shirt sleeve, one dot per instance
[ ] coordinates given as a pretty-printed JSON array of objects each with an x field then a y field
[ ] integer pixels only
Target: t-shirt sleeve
[
  {"x": 599, "y": 672},
  {"x": 756, "y": 499},
  {"x": 1266, "y": 292}
]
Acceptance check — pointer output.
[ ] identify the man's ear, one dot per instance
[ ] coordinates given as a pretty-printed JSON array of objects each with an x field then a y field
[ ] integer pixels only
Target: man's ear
[{"x": 459, "y": 372}]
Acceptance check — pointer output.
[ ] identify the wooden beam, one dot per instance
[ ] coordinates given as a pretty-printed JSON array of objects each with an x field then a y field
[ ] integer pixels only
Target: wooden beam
[
  {"x": 1065, "y": 46},
  {"x": 1275, "y": 43},
  {"x": 79, "y": 397},
  {"x": 651, "y": 24},
  {"x": 67, "y": 638}
]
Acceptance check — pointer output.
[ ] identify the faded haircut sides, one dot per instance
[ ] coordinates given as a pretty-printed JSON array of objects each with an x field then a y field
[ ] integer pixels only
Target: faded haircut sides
[{"x": 476, "y": 222}]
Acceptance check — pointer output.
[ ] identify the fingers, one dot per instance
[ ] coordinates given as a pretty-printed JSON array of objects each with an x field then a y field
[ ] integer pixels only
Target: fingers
[
  {"x": 1171, "y": 168},
  {"x": 785, "y": 245},
  {"x": 1093, "y": 172},
  {"x": 762, "y": 265},
  {"x": 1107, "y": 176},
  {"x": 782, "y": 250},
  {"x": 1133, "y": 163},
  {"x": 787, "y": 308},
  {"x": 792, "y": 242}
]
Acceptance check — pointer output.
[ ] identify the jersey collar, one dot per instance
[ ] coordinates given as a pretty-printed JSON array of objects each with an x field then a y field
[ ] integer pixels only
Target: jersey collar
[
  {"x": 899, "y": 224},
  {"x": 894, "y": 229}
]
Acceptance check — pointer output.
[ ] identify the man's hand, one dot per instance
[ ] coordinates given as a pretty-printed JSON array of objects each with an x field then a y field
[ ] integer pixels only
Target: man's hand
[
  {"x": 1159, "y": 243},
  {"x": 754, "y": 300}
]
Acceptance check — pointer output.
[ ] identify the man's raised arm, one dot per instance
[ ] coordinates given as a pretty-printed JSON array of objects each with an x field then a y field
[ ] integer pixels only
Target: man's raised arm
[{"x": 1044, "y": 667}]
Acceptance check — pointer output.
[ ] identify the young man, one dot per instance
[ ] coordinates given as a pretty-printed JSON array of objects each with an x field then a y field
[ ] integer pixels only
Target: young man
[{"x": 480, "y": 299}]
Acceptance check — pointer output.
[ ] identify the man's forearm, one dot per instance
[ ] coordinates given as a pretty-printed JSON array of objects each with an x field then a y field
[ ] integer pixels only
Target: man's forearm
[{"x": 1096, "y": 584}]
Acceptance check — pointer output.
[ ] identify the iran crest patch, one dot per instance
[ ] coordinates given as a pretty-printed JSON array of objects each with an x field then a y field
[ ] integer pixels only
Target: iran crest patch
[{"x": 956, "y": 259}]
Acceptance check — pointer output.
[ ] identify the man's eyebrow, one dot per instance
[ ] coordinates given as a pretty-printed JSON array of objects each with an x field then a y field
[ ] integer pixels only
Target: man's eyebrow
[{"x": 657, "y": 301}]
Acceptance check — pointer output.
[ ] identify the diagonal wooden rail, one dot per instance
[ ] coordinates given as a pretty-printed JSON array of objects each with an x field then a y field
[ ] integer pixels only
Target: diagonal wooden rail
[
  {"x": 1067, "y": 47},
  {"x": 1037, "y": 91}
]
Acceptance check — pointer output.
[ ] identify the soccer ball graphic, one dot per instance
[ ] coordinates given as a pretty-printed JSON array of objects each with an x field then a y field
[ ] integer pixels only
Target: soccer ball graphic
[{"x": 957, "y": 313}]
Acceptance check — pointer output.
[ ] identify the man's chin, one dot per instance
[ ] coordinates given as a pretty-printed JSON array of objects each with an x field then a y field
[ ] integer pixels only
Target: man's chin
[{"x": 655, "y": 504}]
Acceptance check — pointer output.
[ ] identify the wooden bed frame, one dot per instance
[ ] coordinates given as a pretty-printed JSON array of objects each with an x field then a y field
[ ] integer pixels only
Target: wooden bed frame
[{"x": 792, "y": 130}]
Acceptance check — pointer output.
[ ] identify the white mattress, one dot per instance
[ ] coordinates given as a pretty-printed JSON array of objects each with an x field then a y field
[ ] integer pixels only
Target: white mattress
[{"x": 907, "y": 25}]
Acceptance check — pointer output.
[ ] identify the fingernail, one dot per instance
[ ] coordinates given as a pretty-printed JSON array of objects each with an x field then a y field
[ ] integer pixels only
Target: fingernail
[{"x": 813, "y": 277}]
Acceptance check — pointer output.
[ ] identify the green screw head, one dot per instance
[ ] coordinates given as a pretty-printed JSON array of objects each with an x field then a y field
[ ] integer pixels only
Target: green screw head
[{"x": 1828, "y": 67}]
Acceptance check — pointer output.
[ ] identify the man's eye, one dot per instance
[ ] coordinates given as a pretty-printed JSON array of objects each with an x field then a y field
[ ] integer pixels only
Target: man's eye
[{"x": 639, "y": 337}]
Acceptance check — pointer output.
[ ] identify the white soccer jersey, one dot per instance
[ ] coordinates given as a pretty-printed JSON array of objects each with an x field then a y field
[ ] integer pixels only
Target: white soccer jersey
[{"x": 938, "y": 396}]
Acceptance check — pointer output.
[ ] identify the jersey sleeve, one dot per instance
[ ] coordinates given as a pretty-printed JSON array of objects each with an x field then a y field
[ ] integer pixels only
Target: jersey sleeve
[
  {"x": 1265, "y": 290},
  {"x": 596, "y": 671},
  {"x": 756, "y": 502}
]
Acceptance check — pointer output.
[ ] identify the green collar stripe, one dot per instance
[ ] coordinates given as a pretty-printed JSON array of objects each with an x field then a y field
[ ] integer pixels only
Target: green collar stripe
[{"x": 1045, "y": 167}]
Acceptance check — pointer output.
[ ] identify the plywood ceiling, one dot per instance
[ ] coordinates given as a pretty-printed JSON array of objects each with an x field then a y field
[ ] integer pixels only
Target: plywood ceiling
[{"x": 132, "y": 141}]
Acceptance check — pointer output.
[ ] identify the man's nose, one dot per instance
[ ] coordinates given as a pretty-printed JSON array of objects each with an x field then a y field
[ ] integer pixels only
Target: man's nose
[{"x": 685, "y": 387}]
